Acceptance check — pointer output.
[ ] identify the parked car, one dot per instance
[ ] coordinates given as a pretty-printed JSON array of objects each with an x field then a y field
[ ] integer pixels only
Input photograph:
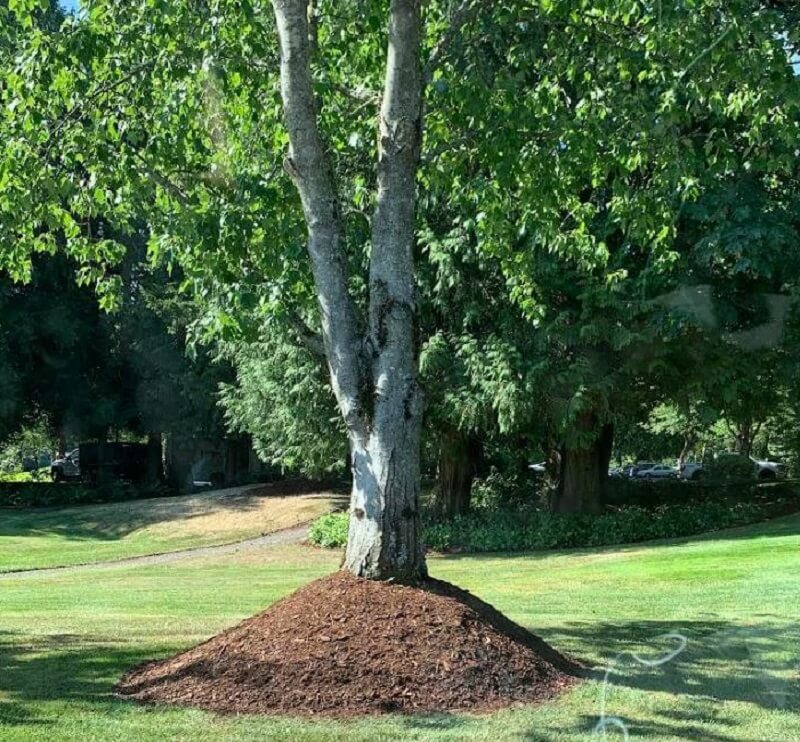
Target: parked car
[
  {"x": 538, "y": 468},
  {"x": 66, "y": 467},
  {"x": 734, "y": 466},
  {"x": 692, "y": 470},
  {"x": 766, "y": 470},
  {"x": 657, "y": 471},
  {"x": 633, "y": 470}
]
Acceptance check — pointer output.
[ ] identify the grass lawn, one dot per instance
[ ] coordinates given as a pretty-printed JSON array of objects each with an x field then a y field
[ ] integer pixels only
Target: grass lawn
[
  {"x": 54, "y": 537},
  {"x": 65, "y": 639}
]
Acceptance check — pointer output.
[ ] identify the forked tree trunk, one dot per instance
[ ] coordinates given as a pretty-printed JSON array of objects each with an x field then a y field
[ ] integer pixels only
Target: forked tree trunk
[
  {"x": 458, "y": 459},
  {"x": 584, "y": 469},
  {"x": 374, "y": 377}
]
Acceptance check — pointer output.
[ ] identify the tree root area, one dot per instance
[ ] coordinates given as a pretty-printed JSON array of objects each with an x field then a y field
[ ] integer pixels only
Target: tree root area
[{"x": 344, "y": 646}]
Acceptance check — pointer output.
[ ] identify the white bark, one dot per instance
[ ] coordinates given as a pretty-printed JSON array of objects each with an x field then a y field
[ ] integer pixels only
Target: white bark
[{"x": 378, "y": 392}]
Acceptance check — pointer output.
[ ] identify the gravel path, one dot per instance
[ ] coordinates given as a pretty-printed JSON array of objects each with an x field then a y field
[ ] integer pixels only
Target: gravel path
[{"x": 278, "y": 538}]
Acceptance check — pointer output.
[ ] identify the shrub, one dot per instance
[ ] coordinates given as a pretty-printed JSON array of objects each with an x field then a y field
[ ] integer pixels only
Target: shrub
[
  {"x": 502, "y": 490},
  {"x": 49, "y": 494},
  {"x": 730, "y": 468},
  {"x": 330, "y": 530},
  {"x": 527, "y": 529}
]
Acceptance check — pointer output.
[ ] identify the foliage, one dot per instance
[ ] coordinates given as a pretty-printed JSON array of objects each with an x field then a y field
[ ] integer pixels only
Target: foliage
[
  {"x": 36, "y": 475},
  {"x": 534, "y": 530},
  {"x": 580, "y": 162},
  {"x": 529, "y": 529},
  {"x": 25, "y": 446},
  {"x": 499, "y": 489},
  {"x": 730, "y": 468},
  {"x": 329, "y": 531},
  {"x": 282, "y": 398},
  {"x": 39, "y": 494}
]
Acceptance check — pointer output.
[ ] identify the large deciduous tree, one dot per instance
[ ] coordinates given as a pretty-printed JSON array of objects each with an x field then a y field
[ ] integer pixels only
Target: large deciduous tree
[
  {"x": 374, "y": 374},
  {"x": 564, "y": 139}
]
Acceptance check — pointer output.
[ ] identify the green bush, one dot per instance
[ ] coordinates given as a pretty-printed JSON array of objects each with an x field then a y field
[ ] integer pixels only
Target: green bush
[
  {"x": 502, "y": 490},
  {"x": 330, "y": 530},
  {"x": 51, "y": 494},
  {"x": 730, "y": 468},
  {"x": 528, "y": 529}
]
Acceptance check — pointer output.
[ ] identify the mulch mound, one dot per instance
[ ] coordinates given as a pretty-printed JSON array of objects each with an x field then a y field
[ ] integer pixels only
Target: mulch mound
[{"x": 343, "y": 646}]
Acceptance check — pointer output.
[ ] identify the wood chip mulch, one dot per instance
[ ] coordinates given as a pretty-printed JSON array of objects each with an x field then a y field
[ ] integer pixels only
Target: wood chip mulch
[{"x": 344, "y": 646}]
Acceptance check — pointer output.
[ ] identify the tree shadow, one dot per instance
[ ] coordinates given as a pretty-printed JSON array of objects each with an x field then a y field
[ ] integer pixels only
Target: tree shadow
[
  {"x": 113, "y": 521},
  {"x": 693, "y": 728},
  {"x": 754, "y": 663},
  {"x": 59, "y": 667}
]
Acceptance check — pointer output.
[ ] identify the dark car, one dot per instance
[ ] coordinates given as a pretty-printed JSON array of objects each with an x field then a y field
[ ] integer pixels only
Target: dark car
[{"x": 65, "y": 467}]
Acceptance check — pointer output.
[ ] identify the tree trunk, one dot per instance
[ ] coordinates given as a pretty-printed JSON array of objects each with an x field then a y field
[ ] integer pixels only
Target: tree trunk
[
  {"x": 743, "y": 444},
  {"x": 62, "y": 442},
  {"x": 155, "y": 466},
  {"x": 584, "y": 469},
  {"x": 374, "y": 378},
  {"x": 385, "y": 536},
  {"x": 179, "y": 458},
  {"x": 458, "y": 457},
  {"x": 689, "y": 441}
]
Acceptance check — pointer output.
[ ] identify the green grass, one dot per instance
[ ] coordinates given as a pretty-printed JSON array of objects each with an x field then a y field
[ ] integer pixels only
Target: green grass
[
  {"x": 53, "y": 537},
  {"x": 64, "y": 641}
]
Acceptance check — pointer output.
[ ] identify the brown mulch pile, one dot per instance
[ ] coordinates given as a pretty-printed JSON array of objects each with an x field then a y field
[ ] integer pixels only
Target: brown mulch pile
[{"x": 343, "y": 646}]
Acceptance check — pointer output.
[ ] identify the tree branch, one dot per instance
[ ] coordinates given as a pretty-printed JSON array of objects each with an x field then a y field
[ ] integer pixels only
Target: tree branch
[
  {"x": 310, "y": 340},
  {"x": 462, "y": 15},
  {"x": 308, "y": 165}
]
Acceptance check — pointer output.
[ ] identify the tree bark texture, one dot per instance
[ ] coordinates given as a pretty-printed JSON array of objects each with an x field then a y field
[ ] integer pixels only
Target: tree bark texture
[
  {"x": 459, "y": 454},
  {"x": 373, "y": 373},
  {"x": 584, "y": 469}
]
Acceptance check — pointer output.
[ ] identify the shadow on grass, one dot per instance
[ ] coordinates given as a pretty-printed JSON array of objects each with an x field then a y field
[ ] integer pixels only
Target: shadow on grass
[
  {"x": 113, "y": 521},
  {"x": 755, "y": 663},
  {"x": 61, "y": 667}
]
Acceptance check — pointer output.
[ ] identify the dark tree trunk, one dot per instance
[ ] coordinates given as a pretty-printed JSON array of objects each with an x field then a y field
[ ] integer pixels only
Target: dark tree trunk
[
  {"x": 584, "y": 469},
  {"x": 154, "y": 475},
  {"x": 178, "y": 458},
  {"x": 459, "y": 455},
  {"x": 62, "y": 442},
  {"x": 606, "y": 445}
]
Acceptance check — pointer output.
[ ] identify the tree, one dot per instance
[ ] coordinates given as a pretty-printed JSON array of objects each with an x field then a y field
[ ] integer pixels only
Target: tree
[
  {"x": 374, "y": 377},
  {"x": 178, "y": 119}
]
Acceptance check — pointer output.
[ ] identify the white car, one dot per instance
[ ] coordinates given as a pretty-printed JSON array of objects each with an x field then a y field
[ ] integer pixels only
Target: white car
[{"x": 657, "y": 471}]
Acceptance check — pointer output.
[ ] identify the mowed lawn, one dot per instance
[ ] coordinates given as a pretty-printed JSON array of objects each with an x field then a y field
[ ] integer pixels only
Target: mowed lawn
[
  {"x": 735, "y": 598},
  {"x": 54, "y": 537}
]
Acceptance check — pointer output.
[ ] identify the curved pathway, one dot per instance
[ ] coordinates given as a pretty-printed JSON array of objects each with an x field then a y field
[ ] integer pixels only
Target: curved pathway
[{"x": 277, "y": 538}]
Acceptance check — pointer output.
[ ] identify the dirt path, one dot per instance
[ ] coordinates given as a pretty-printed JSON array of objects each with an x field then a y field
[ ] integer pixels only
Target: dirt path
[{"x": 278, "y": 538}]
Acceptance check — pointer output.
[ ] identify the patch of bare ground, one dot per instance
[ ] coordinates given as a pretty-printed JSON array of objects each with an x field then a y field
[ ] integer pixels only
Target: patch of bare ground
[{"x": 343, "y": 646}]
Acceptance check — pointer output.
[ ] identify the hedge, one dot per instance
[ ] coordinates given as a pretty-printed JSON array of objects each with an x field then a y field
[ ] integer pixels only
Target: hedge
[{"x": 530, "y": 530}]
